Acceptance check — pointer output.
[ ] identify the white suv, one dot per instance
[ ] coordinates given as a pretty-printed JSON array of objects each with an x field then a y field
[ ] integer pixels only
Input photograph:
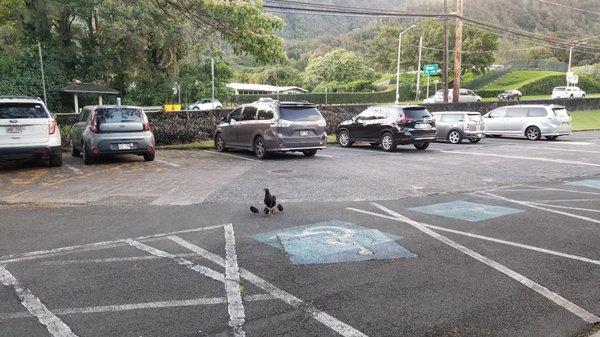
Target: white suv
[
  {"x": 27, "y": 130},
  {"x": 567, "y": 92},
  {"x": 206, "y": 105}
]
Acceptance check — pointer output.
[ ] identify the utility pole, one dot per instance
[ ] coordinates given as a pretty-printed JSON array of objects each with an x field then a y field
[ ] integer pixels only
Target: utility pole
[
  {"x": 212, "y": 74},
  {"x": 458, "y": 51},
  {"x": 418, "y": 94},
  {"x": 42, "y": 71},
  {"x": 398, "y": 68},
  {"x": 445, "y": 66}
]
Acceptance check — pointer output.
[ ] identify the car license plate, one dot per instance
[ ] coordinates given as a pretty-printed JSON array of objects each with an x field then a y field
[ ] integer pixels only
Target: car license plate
[
  {"x": 422, "y": 126},
  {"x": 125, "y": 146},
  {"x": 14, "y": 129},
  {"x": 304, "y": 133}
]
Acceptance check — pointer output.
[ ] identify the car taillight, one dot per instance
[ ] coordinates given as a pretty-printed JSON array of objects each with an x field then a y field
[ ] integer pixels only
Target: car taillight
[
  {"x": 92, "y": 123},
  {"x": 52, "y": 127},
  {"x": 147, "y": 126}
]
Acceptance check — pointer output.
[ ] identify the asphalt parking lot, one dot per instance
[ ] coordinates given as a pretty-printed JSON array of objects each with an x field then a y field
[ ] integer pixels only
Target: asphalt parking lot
[{"x": 498, "y": 238}]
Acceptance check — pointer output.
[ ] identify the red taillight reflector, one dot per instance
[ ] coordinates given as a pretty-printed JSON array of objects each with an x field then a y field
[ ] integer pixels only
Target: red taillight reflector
[
  {"x": 147, "y": 126},
  {"x": 52, "y": 127},
  {"x": 149, "y": 148},
  {"x": 96, "y": 151}
]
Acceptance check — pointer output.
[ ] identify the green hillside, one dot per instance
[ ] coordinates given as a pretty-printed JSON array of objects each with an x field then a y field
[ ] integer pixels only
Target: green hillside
[{"x": 519, "y": 79}]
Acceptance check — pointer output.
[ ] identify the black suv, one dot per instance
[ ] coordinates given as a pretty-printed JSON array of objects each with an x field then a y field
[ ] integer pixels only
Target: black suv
[{"x": 389, "y": 126}]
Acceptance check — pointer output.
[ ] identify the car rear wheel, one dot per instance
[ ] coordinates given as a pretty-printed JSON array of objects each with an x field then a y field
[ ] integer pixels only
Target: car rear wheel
[
  {"x": 87, "y": 155},
  {"x": 475, "y": 140},
  {"x": 551, "y": 137},
  {"x": 149, "y": 156},
  {"x": 454, "y": 137},
  {"x": 220, "y": 143},
  {"x": 344, "y": 139},
  {"x": 75, "y": 152},
  {"x": 388, "y": 142},
  {"x": 422, "y": 146},
  {"x": 55, "y": 160},
  {"x": 533, "y": 133},
  {"x": 260, "y": 150},
  {"x": 310, "y": 153}
]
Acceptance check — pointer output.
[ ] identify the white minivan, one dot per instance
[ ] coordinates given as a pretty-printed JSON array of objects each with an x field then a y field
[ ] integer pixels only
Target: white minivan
[
  {"x": 28, "y": 130},
  {"x": 531, "y": 121},
  {"x": 465, "y": 95},
  {"x": 567, "y": 92}
]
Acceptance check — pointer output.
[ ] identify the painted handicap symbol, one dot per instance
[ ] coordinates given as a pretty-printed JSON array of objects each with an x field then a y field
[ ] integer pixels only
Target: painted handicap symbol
[
  {"x": 334, "y": 241},
  {"x": 468, "y": 211}
]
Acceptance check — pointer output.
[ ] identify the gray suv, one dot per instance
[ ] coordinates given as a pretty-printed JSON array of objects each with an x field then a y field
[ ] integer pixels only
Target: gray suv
[
  {"x": 110, "y": 129},
  {"x": 455, "y": 126},
  {"x": 272, "y": 126}
]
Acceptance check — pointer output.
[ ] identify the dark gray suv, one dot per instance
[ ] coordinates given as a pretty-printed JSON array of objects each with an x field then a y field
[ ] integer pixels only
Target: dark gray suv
[{"x": 272, "y": 126}]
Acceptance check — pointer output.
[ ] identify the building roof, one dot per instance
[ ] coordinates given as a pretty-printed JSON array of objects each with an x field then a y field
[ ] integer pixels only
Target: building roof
[
  {"x": 262, "y": 87},
  {"x": 90, "y": 88}
]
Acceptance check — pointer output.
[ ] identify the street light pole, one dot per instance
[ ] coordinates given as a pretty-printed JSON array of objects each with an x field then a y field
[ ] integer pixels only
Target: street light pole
[
  {"x": 580, "y": 42},
  {"x": 42, "y": 71},
  {"x": 212, "y": 72},
  {"x": 398, "y": 68},
  {"x": 418, "y": 94}
]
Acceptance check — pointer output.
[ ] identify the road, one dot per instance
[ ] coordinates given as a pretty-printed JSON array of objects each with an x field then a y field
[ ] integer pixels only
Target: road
[{"x": 498, "y": 238}]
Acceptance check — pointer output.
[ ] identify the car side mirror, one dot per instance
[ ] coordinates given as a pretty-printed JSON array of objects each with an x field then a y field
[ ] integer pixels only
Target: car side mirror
[{"x": 232, "y": 122}]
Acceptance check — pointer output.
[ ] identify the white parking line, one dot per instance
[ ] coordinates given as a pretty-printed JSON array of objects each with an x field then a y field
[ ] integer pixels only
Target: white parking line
[
  {"x": 554, "y": 297},
  {"x": 139, "y": 306},
  {"x": 527, "y": 204},
  {"x": 323, "y": 155},
  {"x": 109, "y": 260},
  {"x": 235, "y": 156},
  {"x": 235, "y": 307},
  {"x": 559, "y": 161},
  {"x": 326, "y": 319},
  {"x": 487, "y": 238},
  {"x": 39, "y": 254},
  {"x": 564, "y": 190},
  {"x": 166, "y": 162},
  {"x": 215, "y": 275},
  {"x": 566, "y": 207},
  {"x": 55, "y": 326},
  {"x": 74, "y": 169},
  {"x": 550, "y": 149}
]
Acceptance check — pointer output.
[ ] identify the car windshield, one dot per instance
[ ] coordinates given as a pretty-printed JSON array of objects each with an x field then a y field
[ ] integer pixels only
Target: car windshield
[
  {"x": 475, "y": 118},
  {"x": 300, "y": 114},
  {"x": 416, "y": 113},
  {"x": 22, "y": 110},
  {"x": 560, "y": 89},
  {"x": 119, "y": 115}
]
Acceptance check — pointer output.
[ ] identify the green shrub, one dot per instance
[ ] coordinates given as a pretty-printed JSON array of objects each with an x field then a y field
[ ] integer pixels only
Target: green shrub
[
  {"x": 545, "y": 85},
  {"x": 334, "y": 97}
]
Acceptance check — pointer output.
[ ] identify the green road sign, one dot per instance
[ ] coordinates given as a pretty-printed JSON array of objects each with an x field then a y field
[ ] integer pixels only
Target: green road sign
[{"x": 430, "y": 69}]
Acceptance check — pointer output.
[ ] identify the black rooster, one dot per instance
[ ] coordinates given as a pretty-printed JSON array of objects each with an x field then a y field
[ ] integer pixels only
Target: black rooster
[{"x": 271, "y": 204}]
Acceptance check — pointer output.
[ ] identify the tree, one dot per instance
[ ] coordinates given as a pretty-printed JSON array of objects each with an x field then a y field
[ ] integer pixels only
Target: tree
[
  {"x": 339, "y": 66},
  {"x": 280, "y": 76}
]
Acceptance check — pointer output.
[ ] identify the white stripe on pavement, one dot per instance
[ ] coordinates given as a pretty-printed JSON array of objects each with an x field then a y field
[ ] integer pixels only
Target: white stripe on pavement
[
  {"x": 166, "y": 162},
  {"x": 566, "y": 207},
  {"x": 551, "y": 149},
  {"x": 139, "y": 306},
  {"x": 55, "y": 326},
  {"x": 180, "y": 261},
  {"x": 487, "y": 238},
  {"x": 235, "y": 156},
  {"x": 326, "y": 319},
  {"x": 109, "y": 260},
  {"x": 235, "y": 307},
  {"x": 74, "y": 169},
  {"x": 554, "y": 297},
  {"x": 551, "y": 160}
]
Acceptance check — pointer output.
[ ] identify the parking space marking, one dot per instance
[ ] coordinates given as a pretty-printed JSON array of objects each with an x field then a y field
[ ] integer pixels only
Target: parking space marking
[
  {"x": 236, "y": 156},
  {"x": 39, "y": 254},
  {"x": 139, "y": 306},
  {"x": 166, "y": 162},
  {"x": 215, "y": 275},
  {"x": 109, "y": 260},
  {"x": 562, "y": 190},
  {"x": 487, "y": 238},
  {"x": 566, "y": 207},
  {"x": 323, "y": 156},
  {"x": 235, "y": 307},
  {"x": 550, "y": 149},
  {"x": 554, "y": 297},
  {"x": 591, "y": 183},
  {"x": 54, "y": 325},
  {"x": 324, "y": 318},
  {"x": 524, "y": 203},
  {"x": 74, "y": 169},
  {"x": 468, "y": 211},
  {"x": 559, "y": 161}
]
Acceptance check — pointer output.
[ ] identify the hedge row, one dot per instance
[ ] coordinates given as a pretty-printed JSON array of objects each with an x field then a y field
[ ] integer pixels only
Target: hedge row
[
  {"x": 545, "y": 85},
  {"x": 332, "y": 98}
]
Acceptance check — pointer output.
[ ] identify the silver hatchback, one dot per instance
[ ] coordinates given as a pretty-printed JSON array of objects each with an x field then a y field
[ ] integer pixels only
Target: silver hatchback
[
  {"x": 455, "y": 126},
  {"x": 272, "y": 126},
  {"x": 110, "y": 129},
  {"x": 531, "y": 121}
]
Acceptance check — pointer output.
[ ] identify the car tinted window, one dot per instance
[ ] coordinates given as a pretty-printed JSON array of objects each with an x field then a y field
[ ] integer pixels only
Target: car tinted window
[
  {"x": 22, "y": 110},
  {"x": 416, "y": 113},
  {"x": 85, "y": 114},
  {"x": 451, "y": 118},
  {"x": 516, "y": 112},
  {"x": 300, "y": 114},
  {"x": 264, "y": 115},
  {"x": 498, "y": 113},
  {"x": 119, "y": 115},
  {"x": 537, "y": 112},
  {"x": 475, "y": 118},
  {"x": 235, "y": 114},
  {"x": 249, "y": 113}
]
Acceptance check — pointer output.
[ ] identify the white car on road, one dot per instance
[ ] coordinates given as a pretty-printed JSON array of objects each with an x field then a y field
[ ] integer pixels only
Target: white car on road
[
  {"x": 567, "y": 92},
  {"x": 28, "y": 131},
  {"x": 206, "y": 105},
  {"x": 466, "y": 95}
]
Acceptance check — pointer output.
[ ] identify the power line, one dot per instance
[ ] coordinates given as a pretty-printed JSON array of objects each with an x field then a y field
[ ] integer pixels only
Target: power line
[{"x": 569, "y": 7}]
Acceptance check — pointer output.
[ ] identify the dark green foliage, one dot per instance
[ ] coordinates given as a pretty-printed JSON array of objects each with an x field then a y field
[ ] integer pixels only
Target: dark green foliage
[
  {"x": 181, "y": 127},
  {"x": 545, "y": 85},
  {"x": 486, "y": 78}
]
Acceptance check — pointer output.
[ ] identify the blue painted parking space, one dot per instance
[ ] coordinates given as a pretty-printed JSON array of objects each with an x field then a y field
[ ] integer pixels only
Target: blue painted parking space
[
  {"x": 468, "y": 211},
  {"x": 334, "y": 241},
  {"x": 586, "y": 183}
]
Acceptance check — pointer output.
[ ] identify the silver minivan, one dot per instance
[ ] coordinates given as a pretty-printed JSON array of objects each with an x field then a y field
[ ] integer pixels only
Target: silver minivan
[
  {"x": 455, "y": 126},
  {"x": 272, "y": 126},
  {"x": 112, "y": 129},
  {"x": 531, "y": 121}
]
